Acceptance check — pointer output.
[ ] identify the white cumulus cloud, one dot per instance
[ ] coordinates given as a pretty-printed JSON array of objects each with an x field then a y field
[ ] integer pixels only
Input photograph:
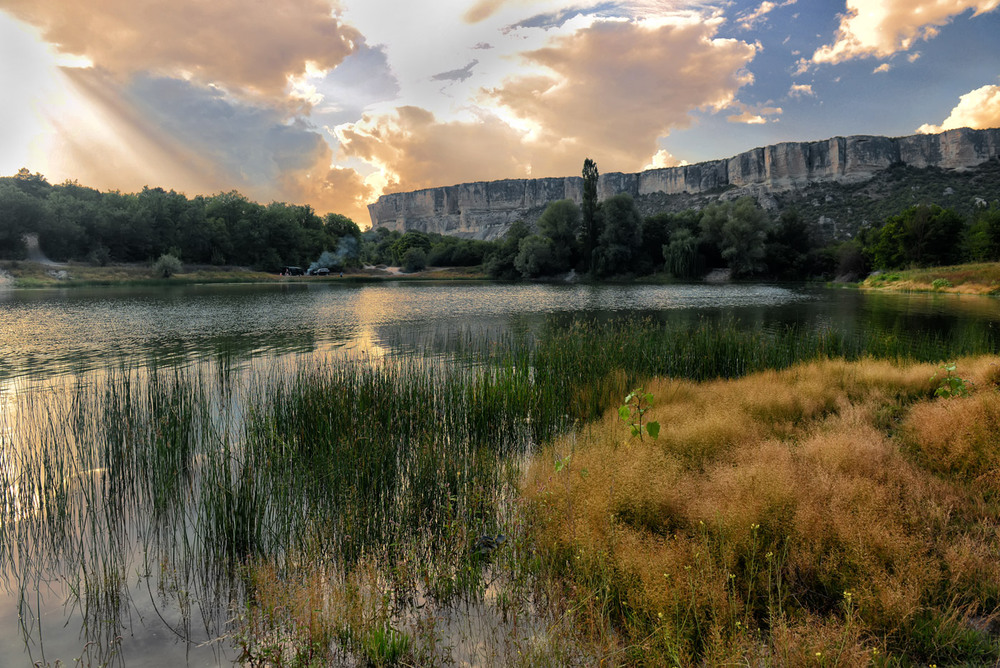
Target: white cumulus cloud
[
  {"x": 801, "y": 90},
  {"x": 976, "y": 109},
  {"x": 881, "y": 28}
]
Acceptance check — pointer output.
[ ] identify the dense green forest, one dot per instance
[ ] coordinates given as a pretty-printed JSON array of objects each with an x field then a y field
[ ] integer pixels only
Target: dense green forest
[
  {"x": 74, "y": 222},
  {"x": 601, "y": 240}
]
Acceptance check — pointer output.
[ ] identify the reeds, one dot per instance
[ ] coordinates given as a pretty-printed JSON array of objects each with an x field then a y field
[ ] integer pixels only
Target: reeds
[{"x": 198, "y": 478}]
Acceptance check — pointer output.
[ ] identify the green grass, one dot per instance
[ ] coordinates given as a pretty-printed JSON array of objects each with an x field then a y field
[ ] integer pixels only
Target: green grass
[
  {"x": 975, "y": 278},
  {"x": 28, "y": 274}
]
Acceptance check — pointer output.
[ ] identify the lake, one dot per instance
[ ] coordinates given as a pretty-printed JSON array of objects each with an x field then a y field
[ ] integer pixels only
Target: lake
[
  {"x": 48, "y": 333},
  {"x": 53, "y": 342}
]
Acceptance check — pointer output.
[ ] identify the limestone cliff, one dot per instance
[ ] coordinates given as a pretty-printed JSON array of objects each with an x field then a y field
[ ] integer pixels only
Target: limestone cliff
[{"x": 485, "y": 210}]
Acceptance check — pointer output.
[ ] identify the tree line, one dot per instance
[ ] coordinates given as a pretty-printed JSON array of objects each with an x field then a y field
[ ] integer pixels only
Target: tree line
[
  {"x": 600, "y": 240},
  {"x": 611, "y": 238},
  {"x": 74, "y": 222}
]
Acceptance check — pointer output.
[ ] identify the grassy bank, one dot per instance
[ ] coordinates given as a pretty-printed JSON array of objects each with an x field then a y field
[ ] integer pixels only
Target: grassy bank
[
  {"x": 974, "y": 279},
  {"x": 830, "y": 514},
  {"x": 337, "y": 512},
  {"x": 27, "y": 274}
]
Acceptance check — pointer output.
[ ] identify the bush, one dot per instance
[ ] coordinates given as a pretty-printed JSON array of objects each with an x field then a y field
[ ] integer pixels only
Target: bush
[
  {"x": 167, "y": 266},
  {"x": 499, "y": 262},
  {"x": 939, "y": 283},
  {"x": 536, "y": 256},
  {"x": 414, "y": 259},
  {"x": 99, "y": 256}
]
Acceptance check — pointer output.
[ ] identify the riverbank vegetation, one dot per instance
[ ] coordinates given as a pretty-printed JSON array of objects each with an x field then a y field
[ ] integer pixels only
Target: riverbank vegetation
[
  {"x": 742, "y": 237},
  {"x": 29, "y": 274},
  {"x": 381, "y": 513},
  {"x": 607, "y": 240},
  {"x": 830, "y": 514},
  {"x": 974, "y": 278}
]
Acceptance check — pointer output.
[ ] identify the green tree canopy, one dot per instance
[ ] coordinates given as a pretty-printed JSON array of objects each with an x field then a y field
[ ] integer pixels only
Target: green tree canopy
[
  {"x": 984, "y": 235},
  {"x": 499, "y": 263},
  {"x": 591, "y": 229},
  {"x": 410, "y": 239},
  {"x": 560, "y": 223},
  {"x": 621, "y": 236},
  {"x": 921, "y": 235},
  {"x": 736, "y": 231},
  {"x": 536, "y": 257},
  {"x": 681, "y": 254}
]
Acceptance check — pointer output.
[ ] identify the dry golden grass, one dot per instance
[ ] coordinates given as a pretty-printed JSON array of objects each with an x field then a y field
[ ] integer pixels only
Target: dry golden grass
[
  {"x": 34, "y": 274},
  {"x": 799, "y": 514},
  {"x": 974, "y": 279}
]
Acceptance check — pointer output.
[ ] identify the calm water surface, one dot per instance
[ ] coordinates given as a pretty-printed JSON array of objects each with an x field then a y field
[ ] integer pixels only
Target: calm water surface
[
  {"x": 48, "y": 333},
  {"x": 51, "y": 336}
]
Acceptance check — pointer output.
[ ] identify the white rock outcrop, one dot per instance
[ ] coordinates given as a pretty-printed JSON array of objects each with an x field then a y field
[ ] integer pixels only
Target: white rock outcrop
[{"x": 485, "y": 209}]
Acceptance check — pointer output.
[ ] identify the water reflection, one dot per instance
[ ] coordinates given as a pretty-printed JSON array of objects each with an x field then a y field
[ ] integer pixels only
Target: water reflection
[
  {"x": 45, "y": 333},
  {"x": 54, "y": 332}
]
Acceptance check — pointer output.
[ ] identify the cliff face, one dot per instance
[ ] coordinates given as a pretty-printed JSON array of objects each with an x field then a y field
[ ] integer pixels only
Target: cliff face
[{"x": 485, "y": 210}]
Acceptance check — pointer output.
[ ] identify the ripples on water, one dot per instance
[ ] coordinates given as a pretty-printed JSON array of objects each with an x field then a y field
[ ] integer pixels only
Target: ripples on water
[
  {"x": 45, "y": 333},
  {"x": 69, "y": 331}
]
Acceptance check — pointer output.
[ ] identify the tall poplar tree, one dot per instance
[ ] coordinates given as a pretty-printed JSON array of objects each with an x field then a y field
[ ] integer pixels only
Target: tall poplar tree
[{"x": 589, "y": 211}]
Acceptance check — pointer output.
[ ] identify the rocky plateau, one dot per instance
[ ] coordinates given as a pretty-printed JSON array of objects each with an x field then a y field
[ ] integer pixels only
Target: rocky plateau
[{"x": 777, "y": 176}]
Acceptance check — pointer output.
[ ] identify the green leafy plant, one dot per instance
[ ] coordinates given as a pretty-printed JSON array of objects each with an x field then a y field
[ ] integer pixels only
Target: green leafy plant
[
  {"x": 637, "y": 402},
  {"x": 939, "y": 283},
  {"x": 166, "y": 266},
  {"x": 951, "y": 385},
  {"x": 386, "y": 646}
]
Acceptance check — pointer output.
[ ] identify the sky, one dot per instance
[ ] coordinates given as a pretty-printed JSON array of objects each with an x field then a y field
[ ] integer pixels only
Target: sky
[{"x": 332, "y": 103}]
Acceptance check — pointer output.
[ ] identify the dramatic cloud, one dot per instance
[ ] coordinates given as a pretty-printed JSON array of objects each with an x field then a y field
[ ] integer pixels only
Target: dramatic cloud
[
  {"x": 880, "y": 28},
  {"x": 663, "y": 158},
  {"x": 343, "y": 94},
  {"x": 608, "y": 91},
  {"x": 258, "y": 149},
  {"x": 977, "y": 109},
  {"x": 195, "y": 139},
  {"x": 748, "y": 20},
  {"x": 482, "y": 10},
  {"x": 327, "y": 189},
  {"x": 415, "y": 150},
  {"x": 754, "y": 115},
  {"x": 556, "y": 18},
  {"x": 238, "y": 44}
]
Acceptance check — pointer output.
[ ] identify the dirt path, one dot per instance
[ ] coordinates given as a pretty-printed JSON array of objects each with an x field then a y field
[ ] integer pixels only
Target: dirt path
[{"x": 35, "y": 253}]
